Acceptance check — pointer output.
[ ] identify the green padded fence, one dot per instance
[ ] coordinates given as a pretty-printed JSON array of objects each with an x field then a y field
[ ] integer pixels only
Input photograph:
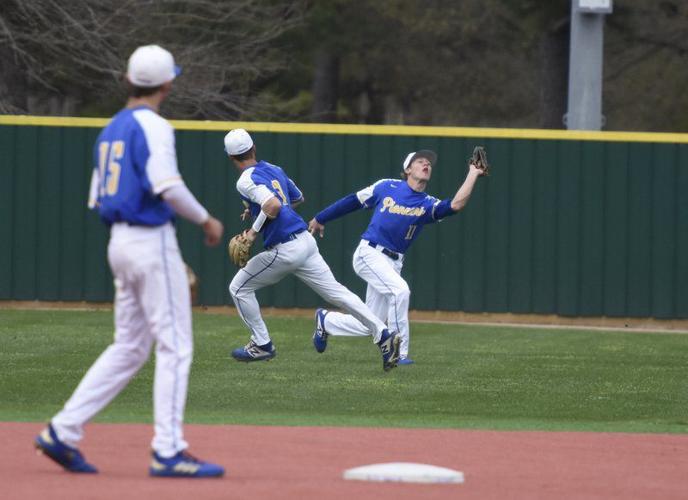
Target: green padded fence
[{"x": 569, "y": 223}]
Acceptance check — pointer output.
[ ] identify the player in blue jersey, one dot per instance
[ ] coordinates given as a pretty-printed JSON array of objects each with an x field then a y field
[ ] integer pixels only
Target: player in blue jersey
[
  {"x": 289, "y": 249},
  {"x": 401, "y": 209},
  {"x": 138, "y": 191}
]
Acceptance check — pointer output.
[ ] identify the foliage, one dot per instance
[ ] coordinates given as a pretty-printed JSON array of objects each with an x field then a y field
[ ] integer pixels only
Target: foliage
[
  {"x": 79, "y": 49},
  {"x": 500, "y": 63},
  {"x": 646, "y": 72}
]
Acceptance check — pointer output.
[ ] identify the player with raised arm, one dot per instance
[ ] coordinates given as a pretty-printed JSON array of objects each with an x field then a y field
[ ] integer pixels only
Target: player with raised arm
[
  {"x": 289, "y": 249},
  {"x": 138, "y": 191},
  {"x": 401, "y": 209}
]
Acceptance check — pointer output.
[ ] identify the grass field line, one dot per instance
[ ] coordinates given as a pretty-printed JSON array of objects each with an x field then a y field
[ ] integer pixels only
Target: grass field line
[
  {"x": 558, "y": 327},
  {"x": 511, "y": 320}
]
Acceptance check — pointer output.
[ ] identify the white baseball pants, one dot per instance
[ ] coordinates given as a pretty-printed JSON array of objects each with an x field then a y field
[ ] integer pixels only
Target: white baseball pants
[
  {"x": 152, "y": 305},
  {"x": 301, "y": 258},
  {"x": 387, "y": 296}
]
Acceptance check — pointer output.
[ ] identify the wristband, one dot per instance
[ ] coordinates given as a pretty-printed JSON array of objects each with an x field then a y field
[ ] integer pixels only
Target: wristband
[{"x": 258, "y": 223}]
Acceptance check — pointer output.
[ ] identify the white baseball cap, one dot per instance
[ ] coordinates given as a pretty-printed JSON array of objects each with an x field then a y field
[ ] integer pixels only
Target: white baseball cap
[
  {"x": 237, "y": 142},
  {"x": 151, "y": 66},
  {"x": 431, "y": 156}
]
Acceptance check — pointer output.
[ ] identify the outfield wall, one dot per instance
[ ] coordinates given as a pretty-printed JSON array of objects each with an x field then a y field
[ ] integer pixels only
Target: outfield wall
[{"x": 570, "y": 223}]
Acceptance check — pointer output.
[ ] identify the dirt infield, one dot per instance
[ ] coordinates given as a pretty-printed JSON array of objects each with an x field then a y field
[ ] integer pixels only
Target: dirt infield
[{"x": 307, "y": 463}]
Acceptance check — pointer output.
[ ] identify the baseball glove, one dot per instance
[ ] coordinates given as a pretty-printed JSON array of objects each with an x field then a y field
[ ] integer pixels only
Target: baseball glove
[
  {"x": 479, "y": 159},
  {"x": 239, "y": 248},
  {"x": 193, "y": 283}
]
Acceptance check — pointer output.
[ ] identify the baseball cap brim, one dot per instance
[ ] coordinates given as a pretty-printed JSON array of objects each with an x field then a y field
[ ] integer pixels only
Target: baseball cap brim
[
  {"x": 177, "y": 70},
  {"x": 431, "y": 156}
]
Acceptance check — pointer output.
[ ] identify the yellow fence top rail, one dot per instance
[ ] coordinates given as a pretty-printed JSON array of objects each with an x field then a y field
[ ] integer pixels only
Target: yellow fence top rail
[{"x": 403, "y": 130}]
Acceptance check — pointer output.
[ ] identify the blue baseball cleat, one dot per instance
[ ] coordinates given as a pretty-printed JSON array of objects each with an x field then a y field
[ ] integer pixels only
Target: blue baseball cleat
[
  {"x": 70, "y": 458},
  {"x": 405, "y": 361},
  {"x": 254, "y": 352},
  {"x": 320, "y": 335},
  {"x": 389, "y": 347},
  {"x": 183, "y": 464}
]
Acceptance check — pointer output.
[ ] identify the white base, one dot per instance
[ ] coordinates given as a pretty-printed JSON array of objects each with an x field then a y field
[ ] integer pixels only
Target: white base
[{"x": 404, "y": 472}]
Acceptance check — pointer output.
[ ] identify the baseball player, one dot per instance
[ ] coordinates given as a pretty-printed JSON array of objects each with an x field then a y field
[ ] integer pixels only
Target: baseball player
[
  {"x": 401, "y": 209},
  {"x": 289, "y": 249},
  {"x": 138, "y": 191}
]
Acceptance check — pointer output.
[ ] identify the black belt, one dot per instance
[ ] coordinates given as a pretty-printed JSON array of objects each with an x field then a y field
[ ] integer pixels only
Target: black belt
[
  {"x": 136, "y": 224},
  {"x": 290, "y": 237},
  {"x": 387, "y": 252}
]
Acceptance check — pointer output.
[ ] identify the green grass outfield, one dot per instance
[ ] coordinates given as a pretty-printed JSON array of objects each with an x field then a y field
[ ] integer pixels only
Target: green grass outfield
[{"x": 466, "y": 376}]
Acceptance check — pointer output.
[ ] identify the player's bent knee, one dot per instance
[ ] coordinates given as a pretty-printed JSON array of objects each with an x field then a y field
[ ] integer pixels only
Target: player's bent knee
[
  {"x": 234, "y": 288},
  {"x": 238, "y": 293},
  {"x": 135, "y": 353}
]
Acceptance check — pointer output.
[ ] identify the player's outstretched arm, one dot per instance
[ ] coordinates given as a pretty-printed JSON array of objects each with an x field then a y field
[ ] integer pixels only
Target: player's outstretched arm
[
  {"x": 461, "y": 197},
  {"x": 339, "y": 208}
]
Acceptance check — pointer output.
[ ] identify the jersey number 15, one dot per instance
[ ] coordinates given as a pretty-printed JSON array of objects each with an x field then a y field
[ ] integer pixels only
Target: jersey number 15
[{"x": 109, "y": 167}]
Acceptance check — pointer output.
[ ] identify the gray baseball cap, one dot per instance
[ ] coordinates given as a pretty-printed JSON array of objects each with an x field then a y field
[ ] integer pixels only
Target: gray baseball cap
[{"x": 431, "y": 156}]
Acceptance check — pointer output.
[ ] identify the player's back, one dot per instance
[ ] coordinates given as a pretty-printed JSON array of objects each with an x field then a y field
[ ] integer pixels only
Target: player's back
[
  {"x": 133, "y": 153},
  {"x": 288, "y": 222}
]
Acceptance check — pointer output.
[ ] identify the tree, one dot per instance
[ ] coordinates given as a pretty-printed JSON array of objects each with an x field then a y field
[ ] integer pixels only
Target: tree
[
  {"x": 76, "y": 51},
  {"x": 499, "y": 63},
  {"x": 645, "y": 66},
  {"x": 402, "y": 61}
]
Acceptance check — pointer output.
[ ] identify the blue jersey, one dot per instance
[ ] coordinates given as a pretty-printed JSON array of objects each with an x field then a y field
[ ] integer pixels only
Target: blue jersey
[
  {"x": 263, "y": 181},
  {"x": 399, "y": 213},
  {"x": 135, "y": 161}
]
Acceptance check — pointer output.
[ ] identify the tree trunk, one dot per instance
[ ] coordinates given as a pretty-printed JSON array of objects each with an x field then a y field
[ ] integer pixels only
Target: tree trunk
[
  {"x": 12, "y": 85},
  {"x": 325, "y": 87},
  {"x": 554, "y": 54}
]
